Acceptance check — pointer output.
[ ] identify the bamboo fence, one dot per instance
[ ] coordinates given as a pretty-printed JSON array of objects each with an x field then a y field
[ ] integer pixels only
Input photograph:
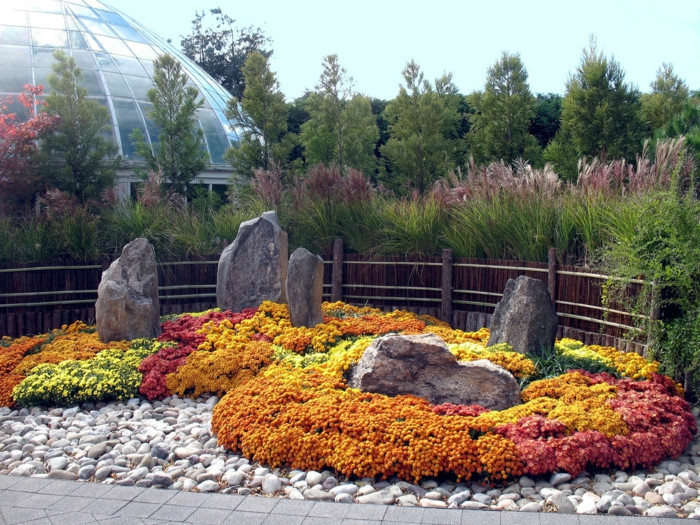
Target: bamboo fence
[{"x": 464, "y": 292}]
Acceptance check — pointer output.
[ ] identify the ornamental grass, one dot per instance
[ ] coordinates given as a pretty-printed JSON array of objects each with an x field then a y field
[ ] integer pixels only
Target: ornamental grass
[{"x": 285, "y": 400}]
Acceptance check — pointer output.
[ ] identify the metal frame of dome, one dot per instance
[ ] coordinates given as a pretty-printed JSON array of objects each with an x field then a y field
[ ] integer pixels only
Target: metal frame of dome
[{"x": 115, "y": 53}]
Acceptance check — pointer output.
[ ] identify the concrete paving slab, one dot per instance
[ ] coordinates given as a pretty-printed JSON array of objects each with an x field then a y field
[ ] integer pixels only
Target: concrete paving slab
[
  {"x": 404, "y": 514},
  {"x": 169, "y": 512},
  {"x": 486, "y": 517},
  {"x": 321, "y": 520},
  {"x": 71, "y": 503},
  {"x": 442, "y": 516},
  {"x": 283, "y": 519},
  {"x": 247, "y": 518},
  {"x": 294, "y": 507},
  {"x": 224, "y": 501},
  {"x": 105, "y": 507},
  {"x": 328, "y": 509},
  {"x": 258, "y": 505},
  {"x": 135, "y": 509},
  {"x": 359, "y": 511},
  {"x": 210, "y": 516}
]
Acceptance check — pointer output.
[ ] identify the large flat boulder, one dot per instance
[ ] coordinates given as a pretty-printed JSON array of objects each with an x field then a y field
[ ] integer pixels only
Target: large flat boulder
[
  {"x": 525, "y": 318},
  {"x": 423, "y": 366},
  {"x": 305, "y": 288},
  {"x": 127, "y": 298},
  {"x": 253, "y": 268}
]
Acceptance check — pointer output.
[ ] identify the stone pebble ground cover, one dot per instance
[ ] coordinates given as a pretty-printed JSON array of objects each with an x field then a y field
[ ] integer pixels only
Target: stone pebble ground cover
[{"x": 284, "y": 404}]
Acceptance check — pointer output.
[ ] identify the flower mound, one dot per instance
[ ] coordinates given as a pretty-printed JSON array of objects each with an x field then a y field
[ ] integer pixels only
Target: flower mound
[{"x": 286, "y": 402}]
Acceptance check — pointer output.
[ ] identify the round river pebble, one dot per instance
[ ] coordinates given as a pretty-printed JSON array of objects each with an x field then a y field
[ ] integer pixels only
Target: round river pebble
[{"x": 169, "y": 444}]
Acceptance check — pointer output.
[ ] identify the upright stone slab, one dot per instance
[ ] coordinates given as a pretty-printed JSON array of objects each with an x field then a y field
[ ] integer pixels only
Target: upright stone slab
[
  {"x": 305, "y": 288},
  {"x": 526, "y": 317},
  {"x": 253, "y": 268},
  {"x": 127, "y": 298},
  {"x": 422, "y": 365}
]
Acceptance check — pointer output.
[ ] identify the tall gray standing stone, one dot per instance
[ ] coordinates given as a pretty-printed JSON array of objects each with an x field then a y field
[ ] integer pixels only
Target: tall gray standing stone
[
  {"x": 305, "y": 288},
  {"x": 423, "y": 366},
  {"x": 253, "y": 268},
  {"x": 127, "y": 298},
  {"x": 526, "y": 317}
]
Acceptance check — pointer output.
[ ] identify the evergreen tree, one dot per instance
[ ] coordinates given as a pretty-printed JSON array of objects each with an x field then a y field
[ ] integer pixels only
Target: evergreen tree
[
  {"x": 422, "y": 122},
  {"x": 179, "y": 154},
  {"x": 262, "y": 113},
  {"x": 668, "y": 94},
  {"x": 503, "y": 114},
  {"x": 600, "y": 115},
  {"x": 341, "y": 128},
  {"x": 75, "y": 156}
]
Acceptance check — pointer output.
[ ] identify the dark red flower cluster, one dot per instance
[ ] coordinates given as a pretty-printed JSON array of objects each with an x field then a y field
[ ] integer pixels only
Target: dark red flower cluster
[
  {"x": 450, "y": 409},
  {"x": 659, "y": 425},
  {"x": 183, "y": 331}
]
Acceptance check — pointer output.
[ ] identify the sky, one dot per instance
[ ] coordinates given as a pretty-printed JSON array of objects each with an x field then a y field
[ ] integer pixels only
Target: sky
[{"x": 374, "y": 40}]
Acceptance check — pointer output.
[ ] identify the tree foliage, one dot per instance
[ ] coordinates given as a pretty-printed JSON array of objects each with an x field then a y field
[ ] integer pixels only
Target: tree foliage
[
  {"x": 76, "y": 155},
  {"x": 222, "y": 50},
  {"x": 547, "y": 118},
  {"x": 600, "y": 113},
  {"x": 179, "y": 155},
  {"x": 262, "y": 113},
  {"x": 19, "y": 131},
  {"x": 503, "y": 114},
  {"x": 668, "y": 94},
  {"x": 341, "y": 128},
  {"x": 422, "y": 123}
]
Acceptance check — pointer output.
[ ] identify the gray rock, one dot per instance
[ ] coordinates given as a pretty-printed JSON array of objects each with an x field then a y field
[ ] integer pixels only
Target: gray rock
[
  {"x": 127, "y": 298},
  {"x": 271, "y": 484},
  {"x": 587, "y": 506},
  {"x": 314, "y": 478},
  {"x": 409, "y": 500},
  {"x": 234, "y": 478},
  {"x": 532, "y": 506},
  {"x": 381, "y": 497},
  {"x": 208, "y": 486},
  {"x": 304, "y": 288},
  {"x": 162, "y": 479},
  {"x": 346, "y": 488},
  {"x": 526, "y": 317},
  {"x": 318, "y": 495},
  {"x": 432, "y": 504},
  {"x": 97, "y": 450},
  {"x": 663, "y": 511},
  {"x": 558, "y": 478},
  {"x": 619, "y": 510},
  {"x": 253, "y": 268},
  {"x": 62, "y": 474},
  {"x": 562, "y": 503},
  {"x": 423, "y": 366}
]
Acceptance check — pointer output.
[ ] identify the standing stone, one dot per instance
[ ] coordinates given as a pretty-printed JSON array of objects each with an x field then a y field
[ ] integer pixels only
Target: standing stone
[
  {"x": 422, "y": 365},
  {"x": 253, "y": 268},
  {"x": 127, "y": 298},
  {"x": 305, "y": 288},
  {"x": 526, "y": 317}
]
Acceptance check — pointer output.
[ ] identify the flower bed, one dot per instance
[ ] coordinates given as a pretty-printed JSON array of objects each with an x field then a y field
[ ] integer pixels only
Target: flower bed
[{"x": 285, "y": 399}]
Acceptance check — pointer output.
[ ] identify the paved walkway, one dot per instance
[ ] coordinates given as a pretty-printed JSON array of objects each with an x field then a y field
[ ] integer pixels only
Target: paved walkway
[{"x": 43, "y": 501}]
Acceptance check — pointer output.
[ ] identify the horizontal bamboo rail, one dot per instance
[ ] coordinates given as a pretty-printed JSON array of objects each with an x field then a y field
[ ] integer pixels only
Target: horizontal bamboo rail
[{"x": 442, "y": 286}]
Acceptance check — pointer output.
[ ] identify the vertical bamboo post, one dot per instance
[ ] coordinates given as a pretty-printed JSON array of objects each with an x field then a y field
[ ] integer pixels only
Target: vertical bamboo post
[
  {"x": 446, "y": 312},
  {"x": 552, "y": 274},
  {"x": 337, "y": 275}
]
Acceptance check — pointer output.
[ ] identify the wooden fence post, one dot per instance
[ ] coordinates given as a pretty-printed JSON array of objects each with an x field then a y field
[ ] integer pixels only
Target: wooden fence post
[
  {"x": 337, "y": 275},
  {"x": 552, "y": 274},
  {"x": 446, "y": 313}
]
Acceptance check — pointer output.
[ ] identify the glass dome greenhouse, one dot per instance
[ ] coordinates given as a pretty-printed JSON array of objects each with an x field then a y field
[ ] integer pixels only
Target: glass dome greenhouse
[{"x": 116, "y": 55}]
